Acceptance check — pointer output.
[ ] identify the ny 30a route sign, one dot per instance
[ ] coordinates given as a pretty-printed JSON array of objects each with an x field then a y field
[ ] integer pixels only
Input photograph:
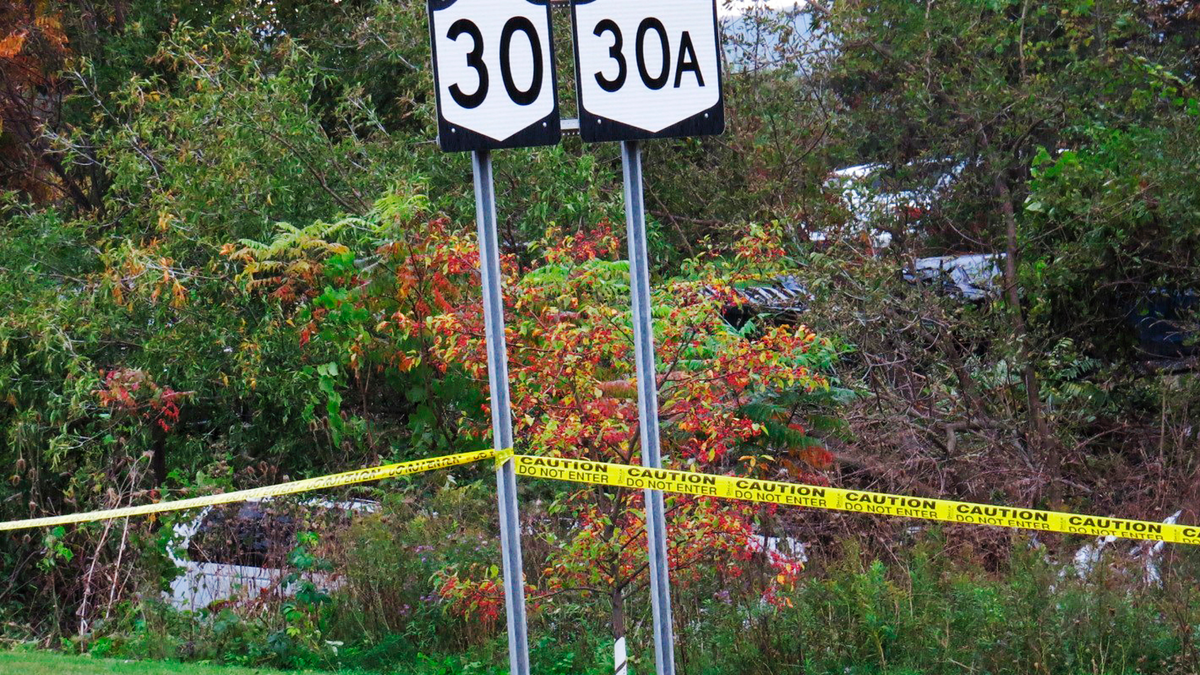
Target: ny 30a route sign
[
  {"x": 647, "y": 69},
  {"x": 493, "y": 68}
]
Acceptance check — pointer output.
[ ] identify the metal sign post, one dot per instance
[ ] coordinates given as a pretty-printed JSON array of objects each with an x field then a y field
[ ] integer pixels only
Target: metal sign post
[
  {"x": 647, "y": 380},
  {"x": 647, "y": 70},
  {"x": 493, "y": 71},
  {"x": 644, "y": 70},
  {"x": 502, "y": 438}
]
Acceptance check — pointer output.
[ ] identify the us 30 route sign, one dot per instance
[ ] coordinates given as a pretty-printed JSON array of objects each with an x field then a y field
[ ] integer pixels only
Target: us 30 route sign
[
  {"x": 647, "y": 69},
  {"x": 493, "y": 66}
]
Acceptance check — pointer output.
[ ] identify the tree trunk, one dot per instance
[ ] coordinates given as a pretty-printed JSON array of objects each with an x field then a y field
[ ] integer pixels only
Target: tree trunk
[
  {"x": 618, "y": 612},
  {"x": 158, "y": 460},
  {"x": 620, "y": 655},
  {"x": 1039, "y": 436}
]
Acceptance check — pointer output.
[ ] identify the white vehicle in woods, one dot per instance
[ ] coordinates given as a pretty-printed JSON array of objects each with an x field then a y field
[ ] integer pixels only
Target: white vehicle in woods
[
  {"x": 239, "y": 552},
  {"x": 971, "y": 277},
  {"x": 883, "y": 199}
]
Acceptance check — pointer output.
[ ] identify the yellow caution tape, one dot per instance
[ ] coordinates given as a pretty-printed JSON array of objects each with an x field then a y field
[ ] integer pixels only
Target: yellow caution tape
[
  {"x": 503, "y": 456},
  {"x": 855, "y": 501},
  {"x": 295, "y": 487},
  {"x": 691, "y": 483}
]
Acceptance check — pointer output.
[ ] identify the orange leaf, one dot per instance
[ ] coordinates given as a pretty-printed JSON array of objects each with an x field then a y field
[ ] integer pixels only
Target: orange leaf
[{"x": 11, "y": 45}]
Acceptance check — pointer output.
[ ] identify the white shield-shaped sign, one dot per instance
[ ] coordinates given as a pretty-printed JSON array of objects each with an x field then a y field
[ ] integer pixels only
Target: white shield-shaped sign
[
  {"x": 648, "y": 69},
  {"x": 493, "y": 65}
]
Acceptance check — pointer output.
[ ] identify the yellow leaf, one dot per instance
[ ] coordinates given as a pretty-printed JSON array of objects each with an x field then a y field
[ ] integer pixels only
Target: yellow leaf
[{"x": 178, "y": 295}]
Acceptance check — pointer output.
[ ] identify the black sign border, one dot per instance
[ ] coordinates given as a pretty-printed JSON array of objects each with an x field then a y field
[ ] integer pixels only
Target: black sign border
[
  {"x": 598, "y": 129},
  {"x": 455, "y": 138}
]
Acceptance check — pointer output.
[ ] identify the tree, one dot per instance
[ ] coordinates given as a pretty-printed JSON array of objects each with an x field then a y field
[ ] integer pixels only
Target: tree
[
  {"x": 1105, "y": 241},
  {"x": 33, "y": 49},
  {"x": 410, "y": 309},
  {"x": 987, "y": 84}
]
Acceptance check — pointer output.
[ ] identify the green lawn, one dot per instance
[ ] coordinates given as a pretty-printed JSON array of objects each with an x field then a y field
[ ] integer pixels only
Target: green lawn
[{"x": 40, "y": 663}]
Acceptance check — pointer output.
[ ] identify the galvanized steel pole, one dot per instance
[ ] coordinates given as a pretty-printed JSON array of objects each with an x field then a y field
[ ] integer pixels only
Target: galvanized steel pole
[
  {"x": 643, "y": 340},
  {"x": 502, "y": 437}
]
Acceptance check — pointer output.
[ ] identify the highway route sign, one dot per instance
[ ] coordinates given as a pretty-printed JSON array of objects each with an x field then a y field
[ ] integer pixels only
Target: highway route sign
[
  {"x": 647, "y": 69},
  {"x": 493, "y": 67}
]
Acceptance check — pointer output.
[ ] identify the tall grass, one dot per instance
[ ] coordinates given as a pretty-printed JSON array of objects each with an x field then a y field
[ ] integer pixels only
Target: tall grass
[{"x": 934, "y": 606}]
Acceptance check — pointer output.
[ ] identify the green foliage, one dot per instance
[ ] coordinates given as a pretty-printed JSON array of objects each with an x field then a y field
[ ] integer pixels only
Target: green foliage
[
  {"x": 930, "y": 614},
  {"x": 44, "y": 663},
  {"x": 55, "y": 551},
  {"x": 224, "y": 268},
  {"x": 1116, "y": 219}
]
